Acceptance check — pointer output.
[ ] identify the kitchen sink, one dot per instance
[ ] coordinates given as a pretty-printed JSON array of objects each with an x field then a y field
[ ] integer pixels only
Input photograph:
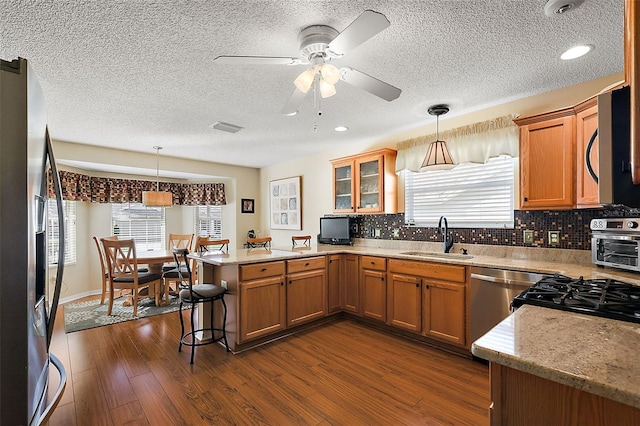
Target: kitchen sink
[{"x": 438, "y": 255}]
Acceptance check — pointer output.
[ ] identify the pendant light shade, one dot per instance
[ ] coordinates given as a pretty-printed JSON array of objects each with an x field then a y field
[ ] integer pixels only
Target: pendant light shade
[
  {"x": 438, "y": 156},
  {"x": 157, "y": 198}
]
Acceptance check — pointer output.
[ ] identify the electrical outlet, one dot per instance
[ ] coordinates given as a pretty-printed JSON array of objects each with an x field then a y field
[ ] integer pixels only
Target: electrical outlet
[
  {"x": 378, "y": 232},
  {"x": 396, "y": 233},
  {"x": 527, "y": 236},
  {"x": 554, "y": 238},
  {"x": 223, "y": 284}
]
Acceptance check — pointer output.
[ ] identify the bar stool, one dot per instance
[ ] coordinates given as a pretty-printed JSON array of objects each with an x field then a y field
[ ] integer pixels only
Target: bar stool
[
  {"x": 264, "y": 242},
  {"x": 192, "y": 295},
  {"x": 306, "y": 240}
]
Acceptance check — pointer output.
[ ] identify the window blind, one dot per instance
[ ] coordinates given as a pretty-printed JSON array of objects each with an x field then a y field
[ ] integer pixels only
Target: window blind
[
  {"x": 145, "y": 225},
  {"x": 70, "y": 252},
  {"x": 208, "y": 221},
  {"x": 470, "y": 195}
]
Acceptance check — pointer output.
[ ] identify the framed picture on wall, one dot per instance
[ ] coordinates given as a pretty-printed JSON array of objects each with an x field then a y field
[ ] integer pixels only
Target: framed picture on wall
[
  {"x": 285, "y": 199},
  {"x": 247, "y": 205}
]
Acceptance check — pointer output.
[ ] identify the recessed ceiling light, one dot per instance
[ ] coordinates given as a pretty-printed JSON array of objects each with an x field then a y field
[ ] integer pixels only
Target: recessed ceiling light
[
  {"x": 291, "y": 114},
  {"x": 576, "y": 52},
  {"x": 341, "y": 129}
]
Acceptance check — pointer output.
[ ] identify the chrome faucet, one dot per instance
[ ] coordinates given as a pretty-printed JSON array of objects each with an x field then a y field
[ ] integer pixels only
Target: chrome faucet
[{"x": 448, "y": 239}]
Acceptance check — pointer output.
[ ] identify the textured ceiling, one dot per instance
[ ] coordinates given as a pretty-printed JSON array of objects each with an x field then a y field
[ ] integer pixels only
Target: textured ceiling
[{"x": 134, "y": 74}]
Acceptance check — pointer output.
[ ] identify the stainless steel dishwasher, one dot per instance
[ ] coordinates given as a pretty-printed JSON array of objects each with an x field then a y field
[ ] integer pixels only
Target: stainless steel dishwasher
[{"x": 491, "y": 292}]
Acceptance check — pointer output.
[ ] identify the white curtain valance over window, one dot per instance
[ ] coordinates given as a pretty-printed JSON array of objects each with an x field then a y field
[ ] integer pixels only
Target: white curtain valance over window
[{"x": 475, "y": 143}]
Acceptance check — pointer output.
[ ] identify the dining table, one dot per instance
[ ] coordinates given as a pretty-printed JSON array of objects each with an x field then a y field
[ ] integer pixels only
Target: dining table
[{"x": 154, "y": 259}]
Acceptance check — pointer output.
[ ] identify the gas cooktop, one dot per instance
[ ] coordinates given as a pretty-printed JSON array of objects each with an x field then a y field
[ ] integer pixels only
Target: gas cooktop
[{"x": 606, "y": 298}]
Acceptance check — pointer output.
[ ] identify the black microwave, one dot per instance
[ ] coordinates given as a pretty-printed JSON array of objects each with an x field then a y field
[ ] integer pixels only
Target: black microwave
[{"x": 615, "y": 186}]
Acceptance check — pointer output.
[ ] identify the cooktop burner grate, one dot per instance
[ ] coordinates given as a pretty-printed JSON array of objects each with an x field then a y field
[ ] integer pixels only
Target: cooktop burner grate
[{"x": 607, "y": 298}]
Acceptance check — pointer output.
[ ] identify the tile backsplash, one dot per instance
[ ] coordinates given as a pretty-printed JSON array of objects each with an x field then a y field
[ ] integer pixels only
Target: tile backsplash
[{"x": 573, "y": 226}]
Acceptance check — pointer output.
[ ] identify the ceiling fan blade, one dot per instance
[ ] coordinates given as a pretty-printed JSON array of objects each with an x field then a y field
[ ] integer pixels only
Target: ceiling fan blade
[
  {"x": 365, "y": 26},
  {"x": 294, "y": 102},
  {"x": 370, "y": 84},
  {"x": 257, "y": 60}
]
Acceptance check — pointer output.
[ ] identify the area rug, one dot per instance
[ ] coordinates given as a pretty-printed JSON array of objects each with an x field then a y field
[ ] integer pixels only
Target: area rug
[{"x": 90, "y": 314}]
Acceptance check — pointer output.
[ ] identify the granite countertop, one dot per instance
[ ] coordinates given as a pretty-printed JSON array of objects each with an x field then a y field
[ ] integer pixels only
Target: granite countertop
[
  {"x": 594, "y": 354},
  {"x": 572, "y": 263}
]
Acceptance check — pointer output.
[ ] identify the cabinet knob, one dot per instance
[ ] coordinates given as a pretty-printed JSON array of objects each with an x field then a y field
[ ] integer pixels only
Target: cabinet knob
[
  {"x": 264, "y": 269},
  {"x": 381, "y": 278},
  {"x": 281, "y": 282},
  {"x": 426, "y": 286},
  {"x": 526, "y": 198},
  {"x": 307, "y": 264},
  {"x": 290, "y": 281},
  {"x": 417, "y": 284}
]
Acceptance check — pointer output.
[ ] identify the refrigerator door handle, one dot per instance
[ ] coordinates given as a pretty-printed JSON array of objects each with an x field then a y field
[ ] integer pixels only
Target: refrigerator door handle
[
  {"x": 58, "y": 285},
  {"x": 44, "y": 418}
]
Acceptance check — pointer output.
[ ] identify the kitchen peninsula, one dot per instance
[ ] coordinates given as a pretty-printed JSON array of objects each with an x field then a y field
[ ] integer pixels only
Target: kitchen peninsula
[{"x": 581, "y": 358}]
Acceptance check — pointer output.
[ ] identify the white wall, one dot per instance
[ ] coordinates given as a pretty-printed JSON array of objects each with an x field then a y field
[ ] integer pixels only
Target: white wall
[{"x": 316, "y": 171}]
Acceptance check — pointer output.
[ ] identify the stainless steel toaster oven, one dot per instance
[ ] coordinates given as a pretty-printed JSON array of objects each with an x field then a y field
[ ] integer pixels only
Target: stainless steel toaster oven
[{"x": 615, "y": 242}]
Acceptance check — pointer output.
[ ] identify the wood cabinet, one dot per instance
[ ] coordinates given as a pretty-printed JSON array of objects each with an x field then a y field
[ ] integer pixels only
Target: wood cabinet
[
  {"x": 437, "y": 308},
  {"x": 306, "y": 290},
  {"x": 520, "y": 397},
  {"x": 404, "y": 302},
  {"x": 373, "y": 287},
  {"x": 547, "y": 160},
  {"x": 365, "y": 183},
  {"x": 335, "y": 283},
  {"x": 443, "y": 305},
  {"x": 262, "y": 300},
  {"x": 586, "y": 125},
  {"x": 351, "y": 283}
]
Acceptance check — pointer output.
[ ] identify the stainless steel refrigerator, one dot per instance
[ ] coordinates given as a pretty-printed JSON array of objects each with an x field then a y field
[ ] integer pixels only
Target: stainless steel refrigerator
[{"x": 27, "y": 303}]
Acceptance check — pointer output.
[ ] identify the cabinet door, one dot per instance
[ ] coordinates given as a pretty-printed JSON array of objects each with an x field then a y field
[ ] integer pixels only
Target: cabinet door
[
  {"x": 404, "y": 302},
  {"x": 369, "y": 188},
  {"x": 587, "y": 188},
  {"x": 374, "y": 294},
  {"x": 547, "y": 158},
  {"x": 306, "y": 296},
  {"x": 335, "y": 283},
  {"x": 443, "y": 315},
  {"x": 351, "y": 284},
  {"x": 343, "y": 187},
  {"x": 262, "y": 307}
]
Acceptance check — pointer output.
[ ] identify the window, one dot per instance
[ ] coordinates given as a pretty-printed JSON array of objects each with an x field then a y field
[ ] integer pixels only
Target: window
[
  {"x": 470, "y": 195},
  {"x": 209, "y": 221},
  {"x": 69, "y": 232},
  {"x": 144, "y": 224}
]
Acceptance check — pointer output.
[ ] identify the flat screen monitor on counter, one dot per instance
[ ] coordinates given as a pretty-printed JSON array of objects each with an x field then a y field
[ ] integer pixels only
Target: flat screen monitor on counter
[{"x": 335, "y": 230}]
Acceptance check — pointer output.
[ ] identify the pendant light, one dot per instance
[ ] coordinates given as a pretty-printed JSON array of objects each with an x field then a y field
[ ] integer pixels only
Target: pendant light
[
  {"x": 438, "y": 156},
  {"x": 157, "y": 198}
]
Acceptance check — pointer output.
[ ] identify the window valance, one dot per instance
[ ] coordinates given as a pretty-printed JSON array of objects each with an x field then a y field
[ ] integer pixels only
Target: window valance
[
  {"x": 475, "y": 143},
  {"x": 79, "y": 187}
]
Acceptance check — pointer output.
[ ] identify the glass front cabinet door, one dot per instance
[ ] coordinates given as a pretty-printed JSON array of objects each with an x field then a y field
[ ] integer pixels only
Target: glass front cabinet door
[
  {"x": 365, "y": 183},
  {"x": 343, "y": 184}
]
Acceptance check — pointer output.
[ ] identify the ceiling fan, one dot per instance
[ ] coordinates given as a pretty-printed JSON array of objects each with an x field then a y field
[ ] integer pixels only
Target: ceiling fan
[{"x": 319, "y": 44}]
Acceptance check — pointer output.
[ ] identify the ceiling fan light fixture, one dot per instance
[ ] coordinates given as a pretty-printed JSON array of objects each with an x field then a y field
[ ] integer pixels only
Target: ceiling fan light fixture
[
  {"x": 305, "y": 80},
  {"x": 438, "y": 156},
  {"x": 330, "y": 73},
  {"x": 326, "y": 89}
]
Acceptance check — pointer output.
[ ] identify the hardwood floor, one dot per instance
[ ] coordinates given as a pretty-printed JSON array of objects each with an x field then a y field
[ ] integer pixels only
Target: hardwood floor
[{"x": 341, "y": 373}]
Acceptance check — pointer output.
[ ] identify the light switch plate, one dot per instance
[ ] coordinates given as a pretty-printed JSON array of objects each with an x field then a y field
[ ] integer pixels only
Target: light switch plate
[
  {"x": 554, "y": 238},
  {"x": 527, "y": 236}
]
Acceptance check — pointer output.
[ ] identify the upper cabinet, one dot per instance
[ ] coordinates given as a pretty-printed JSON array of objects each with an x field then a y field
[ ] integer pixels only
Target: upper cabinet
[
  {"x": 586, "y": 126},
  {"x": 547, "y": 160},
  {"x": 365, "y": 183}
]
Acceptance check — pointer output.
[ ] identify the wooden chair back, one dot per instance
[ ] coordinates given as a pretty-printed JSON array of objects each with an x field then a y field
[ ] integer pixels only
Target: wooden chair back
[
  {"x": 180, "y": 241},
  {"x": 104, "y": 273},
  {"x": 205, "y": 244}
]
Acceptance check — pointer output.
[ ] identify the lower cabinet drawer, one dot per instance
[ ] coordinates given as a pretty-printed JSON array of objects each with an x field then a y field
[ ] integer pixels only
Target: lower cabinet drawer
[
  {"x": 261, "y": 270},
  {"x": 301, "y": 265},
  {"x": 373, "y": 262}
]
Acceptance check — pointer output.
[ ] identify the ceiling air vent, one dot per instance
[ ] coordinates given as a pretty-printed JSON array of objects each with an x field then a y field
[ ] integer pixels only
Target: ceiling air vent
[{"x": 225, "y": 127}]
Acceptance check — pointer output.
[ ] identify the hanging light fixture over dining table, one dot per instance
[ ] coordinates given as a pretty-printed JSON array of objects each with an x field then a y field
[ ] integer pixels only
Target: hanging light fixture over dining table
[{"x": 157, "y": 198}]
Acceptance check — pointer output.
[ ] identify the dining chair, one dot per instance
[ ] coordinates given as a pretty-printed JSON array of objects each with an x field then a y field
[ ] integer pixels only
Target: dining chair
[
  {"x": 104, "y": 273},
  {"x": 122, "y": 267},
  {"x": 177, "y": 241},
  {"x": 198, "y": 294}
]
